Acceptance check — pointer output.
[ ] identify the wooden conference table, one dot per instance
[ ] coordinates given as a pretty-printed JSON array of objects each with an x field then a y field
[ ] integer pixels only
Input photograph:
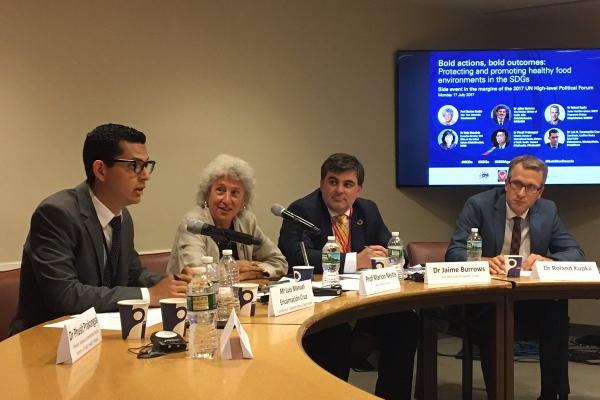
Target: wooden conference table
[
  {"x": 280, "y": 367},
  {"x": 527, "y": 289}
]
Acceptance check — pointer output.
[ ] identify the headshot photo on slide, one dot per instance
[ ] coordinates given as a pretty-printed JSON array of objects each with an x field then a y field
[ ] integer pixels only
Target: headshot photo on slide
[
  {"x": 447, "y": 139},
  {"x": 447, "y": 115}
]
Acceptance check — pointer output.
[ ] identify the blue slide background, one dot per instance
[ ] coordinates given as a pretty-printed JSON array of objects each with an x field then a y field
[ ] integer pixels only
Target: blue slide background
[{"x": 584, "y": 64}]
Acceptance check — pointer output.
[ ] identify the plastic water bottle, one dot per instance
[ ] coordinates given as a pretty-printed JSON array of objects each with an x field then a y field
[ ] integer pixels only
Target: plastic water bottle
[
  {"x": 202, "y": 309},
  {"x": 227, "y": 299},
  {"x": 330, "y": 260},
  {"x": 395, "y": 249},
  {"x": 211, "y": 271},
  {"x": 474, "y": 245}
]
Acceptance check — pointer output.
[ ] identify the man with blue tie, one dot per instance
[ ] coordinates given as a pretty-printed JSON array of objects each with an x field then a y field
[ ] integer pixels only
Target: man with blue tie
[
  {"x": 79, "y": 252},
  {"x": 516, "y": 220},
  {"x": 361, "y": 233}
]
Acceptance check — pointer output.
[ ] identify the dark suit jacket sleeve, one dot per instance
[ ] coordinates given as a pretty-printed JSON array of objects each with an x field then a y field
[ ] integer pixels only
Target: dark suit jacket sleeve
[
  {"x": 64, "y": 272},
  {"x": 550, "y": 239},
  {"x": 289, "y": 242},
  {"x": 367, "y": 228},
  {"x": 471, "y": 216},
  {"x": 138, "y": 275},
  {"x": 562, "y": 246}
]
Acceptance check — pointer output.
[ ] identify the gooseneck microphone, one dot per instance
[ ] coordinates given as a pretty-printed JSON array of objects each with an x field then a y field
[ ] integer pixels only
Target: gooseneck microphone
[
  {"x": 220, "y": 234},
  {"x": 280, "y": 211}
]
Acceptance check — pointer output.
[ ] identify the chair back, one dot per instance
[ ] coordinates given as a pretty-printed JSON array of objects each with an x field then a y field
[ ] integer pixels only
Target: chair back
[
  {"x": 156, "y": 262},
  {"x": 9, "y": 298},
  {"x": 424, "y": 252}
]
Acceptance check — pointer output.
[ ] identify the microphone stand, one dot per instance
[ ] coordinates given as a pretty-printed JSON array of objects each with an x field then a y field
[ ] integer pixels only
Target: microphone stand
[{"x": 302, "y": 247}]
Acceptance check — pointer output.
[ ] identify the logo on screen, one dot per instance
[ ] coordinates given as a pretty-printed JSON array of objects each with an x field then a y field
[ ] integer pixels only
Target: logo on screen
[
  {"x": 502, "y": 174},
  {"x": 484, "y": 175}
]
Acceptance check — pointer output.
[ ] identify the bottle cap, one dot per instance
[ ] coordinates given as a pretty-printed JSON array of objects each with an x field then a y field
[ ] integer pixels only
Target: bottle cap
[
  {"x": 207, "y": 259},
  {"x": 227, "y": 252},
  {"x": 331, "y": 238},
  {"x": 395, "y": 234},
  {"x": 198, "y": 270},
  {"x": 474, "y": 229}
]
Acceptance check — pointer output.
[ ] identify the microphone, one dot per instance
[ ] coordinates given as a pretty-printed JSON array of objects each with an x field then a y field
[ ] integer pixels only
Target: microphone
[
  {"x": 280, "y": 211},
  {"x": 221, "y": 235}
]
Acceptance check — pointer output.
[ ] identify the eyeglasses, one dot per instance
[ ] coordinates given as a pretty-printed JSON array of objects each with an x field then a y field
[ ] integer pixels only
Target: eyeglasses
[
  {"x": 517, "y": 186},
  {"x": 138, "y": 166}
]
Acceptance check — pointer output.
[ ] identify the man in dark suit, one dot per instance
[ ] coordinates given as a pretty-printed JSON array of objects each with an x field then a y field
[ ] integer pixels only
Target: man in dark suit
[
  {"x": 500, "y": 138},
  {"x": 553, "y": 139},
  {"x": 501, "y": 115},
  {"x": 79, "y": 252},
  {"x": 554, "y": 115},
  {"x": 515, "y": 220},
  {"x": 342, "y": 176}
]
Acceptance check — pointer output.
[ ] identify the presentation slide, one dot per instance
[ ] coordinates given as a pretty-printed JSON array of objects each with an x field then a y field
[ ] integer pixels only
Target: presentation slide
[
  {"x": 486, "y": 107},
  {"x": 491, "y": 106}
]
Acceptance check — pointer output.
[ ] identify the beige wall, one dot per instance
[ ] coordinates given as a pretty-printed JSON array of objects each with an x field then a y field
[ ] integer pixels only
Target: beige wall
[{"x": 279, "y": 83}]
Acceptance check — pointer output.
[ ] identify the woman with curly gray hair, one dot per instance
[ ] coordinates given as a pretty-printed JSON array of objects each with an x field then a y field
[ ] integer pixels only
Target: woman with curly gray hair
[{"x": 225, "y": 192}]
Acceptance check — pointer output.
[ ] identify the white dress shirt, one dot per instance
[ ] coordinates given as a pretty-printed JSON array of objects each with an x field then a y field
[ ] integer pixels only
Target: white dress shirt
[
  {"x": 525, "y": 248},
  {"x": 104, "y": 217}
]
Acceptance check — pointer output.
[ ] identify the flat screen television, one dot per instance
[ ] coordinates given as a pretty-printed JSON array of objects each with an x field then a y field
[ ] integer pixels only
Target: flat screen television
[{"x": 461, "y": 116}]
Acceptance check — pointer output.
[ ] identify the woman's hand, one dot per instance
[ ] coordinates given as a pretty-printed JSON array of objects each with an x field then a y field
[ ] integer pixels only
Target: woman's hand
[{"x": 249, "y": 270}]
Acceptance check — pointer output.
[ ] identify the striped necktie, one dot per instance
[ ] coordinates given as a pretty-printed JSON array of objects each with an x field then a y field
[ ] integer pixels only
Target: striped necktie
[
  {"x": 341, "y": 231},
  {"x": 515, "y": 241}
]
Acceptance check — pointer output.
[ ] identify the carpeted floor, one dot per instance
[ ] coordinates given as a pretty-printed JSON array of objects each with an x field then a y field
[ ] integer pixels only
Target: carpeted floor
[{"x": 584, "y": 379}]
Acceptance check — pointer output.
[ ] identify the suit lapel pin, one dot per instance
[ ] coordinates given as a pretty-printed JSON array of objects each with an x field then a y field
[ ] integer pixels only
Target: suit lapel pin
[{"x": 359, "y": 222}]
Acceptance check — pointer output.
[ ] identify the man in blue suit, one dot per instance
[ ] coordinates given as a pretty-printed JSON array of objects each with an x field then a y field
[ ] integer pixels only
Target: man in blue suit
[
  {"x": 337, "y": 199},
  {"x": 516, "y": 219}
]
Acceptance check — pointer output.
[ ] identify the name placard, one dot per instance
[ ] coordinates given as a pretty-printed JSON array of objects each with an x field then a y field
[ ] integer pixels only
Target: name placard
[
  {"x": 565, "y": 271},
  {"x": 79, "y": 335},
  {"x": 378, "y": 280},
  {"x": 289, "y": 297},
  {"x": 457, "y": 273}
]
